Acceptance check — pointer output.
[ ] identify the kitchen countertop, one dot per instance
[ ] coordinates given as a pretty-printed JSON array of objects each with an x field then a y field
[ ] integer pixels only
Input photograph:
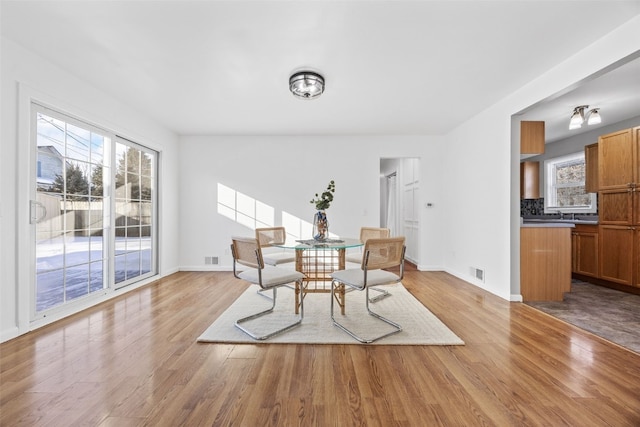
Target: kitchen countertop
[
  {"x": 548, "y": 224},
  {"x": 587, "y": 220}
]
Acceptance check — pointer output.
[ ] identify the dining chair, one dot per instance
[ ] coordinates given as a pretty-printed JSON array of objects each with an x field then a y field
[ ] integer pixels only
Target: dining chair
[
  {"x": 246, "y": 251},
  {"x": 367, "y": 233},
  {"x": 379, "y": 254},
  {"x": 268, "y": 238}
]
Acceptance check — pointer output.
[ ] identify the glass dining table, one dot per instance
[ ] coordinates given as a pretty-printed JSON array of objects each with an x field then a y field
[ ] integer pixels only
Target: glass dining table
[{"x": 317, "y": 260}]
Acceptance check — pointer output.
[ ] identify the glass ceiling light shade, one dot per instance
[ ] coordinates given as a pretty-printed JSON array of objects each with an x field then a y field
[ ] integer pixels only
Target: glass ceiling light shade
[
  {"x": 577, "y": 118},
  {"x": 594, "y": 117},
  {"x": 306, "y": 85}
]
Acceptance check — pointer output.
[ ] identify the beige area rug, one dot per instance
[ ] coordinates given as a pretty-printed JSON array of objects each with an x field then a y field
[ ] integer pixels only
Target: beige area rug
[{"x": 420, "y": 326}]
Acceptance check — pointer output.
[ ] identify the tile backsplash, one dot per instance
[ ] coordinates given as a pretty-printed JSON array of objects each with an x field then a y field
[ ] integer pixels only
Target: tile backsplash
[
  {"x": 535, "y": 207},
  {"x": 529, "y": 207}
]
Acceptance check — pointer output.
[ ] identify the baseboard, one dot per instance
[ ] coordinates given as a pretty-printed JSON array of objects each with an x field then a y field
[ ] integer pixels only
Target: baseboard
[
  {"x": 9, "y": 334},
  {"x": 206, "y": 268}
]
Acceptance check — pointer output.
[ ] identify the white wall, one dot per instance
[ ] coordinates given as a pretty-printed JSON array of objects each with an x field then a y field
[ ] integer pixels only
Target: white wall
[
  {"x": 482, "y": 162},
  {"x": 25, "y": 76},
  {"x": 285, "y": 172}
]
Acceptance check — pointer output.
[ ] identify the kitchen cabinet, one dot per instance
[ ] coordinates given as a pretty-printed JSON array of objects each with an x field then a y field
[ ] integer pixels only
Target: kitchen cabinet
[
  {"x": 617, "y": 162},
  {"x": 591, "y": 168},
  {"x": 530, "y": 180},
  {"x": 584, "y": 250},
  {"x": 619, "y": 206},
  {"x": 616, "y": 207},
  {"x": 531, "y": 137},
  {"x": 545, "y": 262},
  {"x": 618, "y": 248}
]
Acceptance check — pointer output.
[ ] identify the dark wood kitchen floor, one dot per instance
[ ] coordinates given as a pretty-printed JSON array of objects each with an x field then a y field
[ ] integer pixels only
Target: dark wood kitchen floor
[{"x": 610, "y": 314}]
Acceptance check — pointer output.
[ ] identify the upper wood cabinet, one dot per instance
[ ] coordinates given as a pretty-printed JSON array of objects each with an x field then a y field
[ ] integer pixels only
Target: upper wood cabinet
[
  {"x": 617, "y": 164},
  {"x": 591, "y": 167},
  {"x": 531, "y": 137},
  {"x": 530, "y": 180}
]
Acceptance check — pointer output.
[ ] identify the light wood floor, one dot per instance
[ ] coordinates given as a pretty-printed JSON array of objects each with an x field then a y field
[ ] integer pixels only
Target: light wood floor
[{"x": 135, "y": 361}]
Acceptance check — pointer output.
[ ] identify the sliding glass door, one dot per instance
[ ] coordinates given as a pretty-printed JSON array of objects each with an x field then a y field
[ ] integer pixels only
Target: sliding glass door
[
  {"x": 134, "y": 212},
  {"x": 93, "y": 210}
]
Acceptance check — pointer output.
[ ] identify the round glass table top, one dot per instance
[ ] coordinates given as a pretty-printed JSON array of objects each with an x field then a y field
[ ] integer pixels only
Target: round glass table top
[{"x": 332, "y": 243}]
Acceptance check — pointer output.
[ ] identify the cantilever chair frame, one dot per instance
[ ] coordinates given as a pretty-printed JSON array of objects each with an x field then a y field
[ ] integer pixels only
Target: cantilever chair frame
[
  {"x": 246, "y": 251},
  {"x": 367, "y": 233},
  {"x": 371, "y": 272},
  {"x": 267, "y": 238}
]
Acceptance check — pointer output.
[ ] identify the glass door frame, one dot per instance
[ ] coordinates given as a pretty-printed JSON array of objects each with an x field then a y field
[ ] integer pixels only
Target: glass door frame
[{"x": 29, "y": 246}]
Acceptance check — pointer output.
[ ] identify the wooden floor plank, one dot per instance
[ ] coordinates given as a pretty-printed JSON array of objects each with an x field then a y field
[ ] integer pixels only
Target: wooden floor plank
[{"x": 135, "y": 361}]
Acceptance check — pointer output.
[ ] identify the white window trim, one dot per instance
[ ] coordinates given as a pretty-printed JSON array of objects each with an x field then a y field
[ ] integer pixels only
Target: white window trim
[{"x": 549, "y": 185}]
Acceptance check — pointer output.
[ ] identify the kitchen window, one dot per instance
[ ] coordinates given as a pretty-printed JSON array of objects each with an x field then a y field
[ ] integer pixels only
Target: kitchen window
[{"x": 564, "y": 189}]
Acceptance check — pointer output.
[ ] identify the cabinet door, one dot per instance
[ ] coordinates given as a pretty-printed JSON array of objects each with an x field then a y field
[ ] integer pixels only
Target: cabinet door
[
  {"x": 532, "y": 137},
  {"x": 616, "y": 160},
  {"x": 617, "y": 253},
  {"x": 586, "y": 246},
  {"x": 616, "y": 206},
  {"x": 530, "y": 180}
]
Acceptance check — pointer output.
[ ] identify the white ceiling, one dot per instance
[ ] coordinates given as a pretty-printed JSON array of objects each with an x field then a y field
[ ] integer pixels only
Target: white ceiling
[
  {"x": 391, "y": 67},
  {"x": 616, "y": 93}
]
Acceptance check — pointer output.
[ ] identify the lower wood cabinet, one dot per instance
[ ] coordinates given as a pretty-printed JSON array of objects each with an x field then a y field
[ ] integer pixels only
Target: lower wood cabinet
[
  {"x": 584, "y": 250},
  {"x": 545, "y": 263},
  {"x": 619, "y": 251}
]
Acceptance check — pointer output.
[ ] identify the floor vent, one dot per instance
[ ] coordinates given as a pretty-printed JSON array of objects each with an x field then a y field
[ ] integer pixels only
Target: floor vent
[
  {"x": 480, "y": 274},
  {"x": 211, "y": 260}
]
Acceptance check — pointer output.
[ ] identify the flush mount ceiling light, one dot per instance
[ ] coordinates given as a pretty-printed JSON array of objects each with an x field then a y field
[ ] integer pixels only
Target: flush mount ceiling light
[
  {"x": 306, "y": 84},
  {"x": 578, "y": 117}
]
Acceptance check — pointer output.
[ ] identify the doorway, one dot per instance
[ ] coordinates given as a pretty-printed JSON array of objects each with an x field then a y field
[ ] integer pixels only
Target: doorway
[{"x": 399, "y": 201}]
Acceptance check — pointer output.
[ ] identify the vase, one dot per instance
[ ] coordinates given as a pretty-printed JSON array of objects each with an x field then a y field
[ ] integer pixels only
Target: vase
[{"x": 320, "y": 226}]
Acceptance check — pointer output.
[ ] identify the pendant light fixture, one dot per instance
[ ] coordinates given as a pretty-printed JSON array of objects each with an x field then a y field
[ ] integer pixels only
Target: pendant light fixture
[
  {"x": 306, "y": 85},
  {"x": 578, "y": 117}
]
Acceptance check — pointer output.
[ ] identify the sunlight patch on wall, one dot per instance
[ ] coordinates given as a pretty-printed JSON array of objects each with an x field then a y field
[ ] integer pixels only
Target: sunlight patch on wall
[{"x": 244, "y": 209}]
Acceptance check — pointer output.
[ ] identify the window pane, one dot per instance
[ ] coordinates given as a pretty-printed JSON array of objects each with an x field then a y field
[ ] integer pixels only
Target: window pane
[
  {"x": 120, "y": 272},
  {"x": 96, "y": 244},
  {"x": 77, "y": 213},
  {"x": 144, "y": 217},
  {"x": 96, "y": 215},
  {"x": 77, "y": 281},
  {"x": 76, "y": 248},
  {"x": 76, "y": 179},
  {"x": 50, "y": 134},
  {"x": 570, "y": 173},
  {"x": 145, "y": 188},
  {"x": 145, "y": 166},
  {"x": 133, "y": 186},
  {"x": 78, "y": 142},
  {"x": 572, "y": 196},
  {"x": 97, "y": 148},
  {"x": 49, "y": 289},
  {"x": 96, "y": 183},
  {"x": 133, "y": 160},
  {"x": 95, "y": 276}
]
